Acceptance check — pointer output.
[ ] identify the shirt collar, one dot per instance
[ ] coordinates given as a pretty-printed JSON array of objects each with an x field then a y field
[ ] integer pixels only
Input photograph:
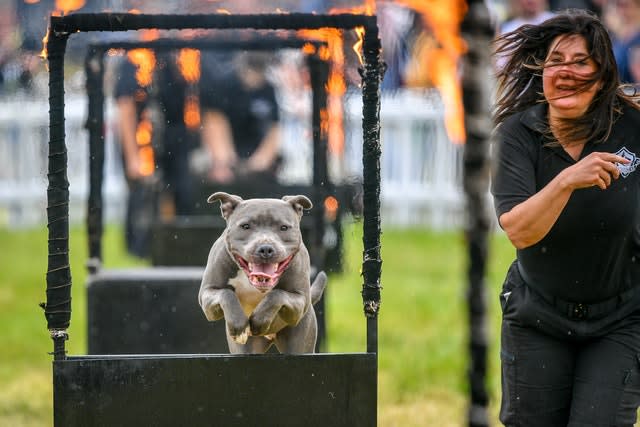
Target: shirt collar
[{"x": 535, "y": 117}]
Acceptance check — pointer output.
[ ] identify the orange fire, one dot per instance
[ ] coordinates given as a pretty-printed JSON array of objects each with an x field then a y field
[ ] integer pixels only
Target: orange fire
[
  {"x": 357, "y": 47},
  {"x": 336, "y": 86},
  {"x": 62, "y": 8},
  {"x": 189, "y": 65},
  {"x": 436, "y": 55},
  {"x": 145, "y": 62},
  {"x": 368, "y": 8},
  {"x": 331, "y": 206},
  {"x": 66, "y": 6},
  {"x": 45, "y": 40},
  {"x": 145, "y": 149}
]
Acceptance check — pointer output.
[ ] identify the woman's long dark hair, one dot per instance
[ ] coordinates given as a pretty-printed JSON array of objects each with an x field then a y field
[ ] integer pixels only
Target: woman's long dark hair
[{"x": 520, "y": 78}]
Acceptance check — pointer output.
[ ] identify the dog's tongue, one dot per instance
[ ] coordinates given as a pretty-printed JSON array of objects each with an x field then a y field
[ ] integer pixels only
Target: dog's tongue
[{"x": 266, "y": 269}]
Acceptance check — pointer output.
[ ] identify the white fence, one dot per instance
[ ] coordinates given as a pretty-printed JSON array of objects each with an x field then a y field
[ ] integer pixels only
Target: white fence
[
  {"x": 24, "y": 138},
  {"x": 420, "y": 169}
]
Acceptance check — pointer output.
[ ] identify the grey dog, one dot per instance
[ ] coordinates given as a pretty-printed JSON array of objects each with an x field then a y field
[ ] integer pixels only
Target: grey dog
[{"x": 258, "y": 276}]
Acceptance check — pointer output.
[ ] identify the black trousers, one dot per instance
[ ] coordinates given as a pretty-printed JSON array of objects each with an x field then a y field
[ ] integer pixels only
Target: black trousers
[{"x": 558, "y": 371}]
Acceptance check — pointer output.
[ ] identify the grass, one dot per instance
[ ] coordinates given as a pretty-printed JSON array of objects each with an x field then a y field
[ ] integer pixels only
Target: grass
[{"x": 423, "y": 353}]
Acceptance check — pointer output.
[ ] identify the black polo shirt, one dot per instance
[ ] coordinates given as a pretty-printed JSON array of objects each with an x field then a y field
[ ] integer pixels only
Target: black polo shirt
[
  {"x": 589, "y": 255},
  {"x": 251, "y": 111}
]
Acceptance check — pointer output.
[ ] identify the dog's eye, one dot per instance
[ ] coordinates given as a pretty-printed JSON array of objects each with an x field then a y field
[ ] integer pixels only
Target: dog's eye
[
  {"x": 284, "y": 227},
  {"x": 245, "y": 226}
]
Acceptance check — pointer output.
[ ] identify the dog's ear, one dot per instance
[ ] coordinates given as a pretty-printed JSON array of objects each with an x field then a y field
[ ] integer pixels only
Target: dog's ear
[
  {"x": 228, "y": 202},
  {"x": 299, "y": 203}
]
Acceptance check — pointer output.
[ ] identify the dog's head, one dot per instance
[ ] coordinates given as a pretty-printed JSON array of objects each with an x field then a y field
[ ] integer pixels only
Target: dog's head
[{"x": 263, "y": 235}]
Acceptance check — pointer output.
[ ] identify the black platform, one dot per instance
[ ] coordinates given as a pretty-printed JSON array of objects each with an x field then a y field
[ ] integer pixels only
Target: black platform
[
  {"x": 150, "y": 310},
  {"x": 337, "y": 390}
]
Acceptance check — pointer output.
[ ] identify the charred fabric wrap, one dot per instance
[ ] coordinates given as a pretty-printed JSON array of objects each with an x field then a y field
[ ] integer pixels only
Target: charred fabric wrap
[{"x": 58, "y": 305}]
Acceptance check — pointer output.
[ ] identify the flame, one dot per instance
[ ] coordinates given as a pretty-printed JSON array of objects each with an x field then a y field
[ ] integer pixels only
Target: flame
[
  {"x": 435, "y": 57},
  {"x": 148, "y": 35},
  {"x": 336, "y": 86},
  {"x": 357, "y": 47},
  {"x": 368, "y": 8},
  {"x": 308, "y": 49},
  {"x": 189, "y": 63},
  {"x": 145, "y": 149},
  {"x": 45, "y": 40},
  {"x": 62, "y": 8},
  {"x": 324, "y": 121},
  {"x": 331, "y": 208},
  {"x": 145, "y": 61},
  {"x": 66, "y": 6},
  {"x": 192, "y": 112}
]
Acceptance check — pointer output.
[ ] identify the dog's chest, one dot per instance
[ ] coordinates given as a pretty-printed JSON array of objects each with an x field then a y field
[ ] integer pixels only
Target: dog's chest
[{"x": 246, "y": 293}]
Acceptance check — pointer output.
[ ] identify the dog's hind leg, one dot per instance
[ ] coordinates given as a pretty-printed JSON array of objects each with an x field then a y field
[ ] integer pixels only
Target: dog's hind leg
[{"x": 254, "y": 345}]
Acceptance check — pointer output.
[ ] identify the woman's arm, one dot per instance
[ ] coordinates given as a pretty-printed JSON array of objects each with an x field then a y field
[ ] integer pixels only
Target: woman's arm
[{"x": 528, "y": 222}]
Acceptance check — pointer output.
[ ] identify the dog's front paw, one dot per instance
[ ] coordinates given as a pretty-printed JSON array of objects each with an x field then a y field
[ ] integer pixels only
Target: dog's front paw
[
  {"x": 259, "y": 326},
  {"x": 242, "y": 337},
  {"x": 238, "y": 329}
]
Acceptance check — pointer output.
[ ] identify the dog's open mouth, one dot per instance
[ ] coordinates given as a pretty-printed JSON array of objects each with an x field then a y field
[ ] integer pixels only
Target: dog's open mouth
[{"x": 263, "y": 276}]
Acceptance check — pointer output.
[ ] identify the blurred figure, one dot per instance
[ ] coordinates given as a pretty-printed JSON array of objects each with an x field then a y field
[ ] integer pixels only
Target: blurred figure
[
  {"x": 134, "y": 132},
  {"x": 240, "y": 117},
  {"x": 396, "y": 23},
  {"x": 622, "y": 18},
  {"x": 521, "y": 12},
  {"x": 594, "y": 6},
  {"x": 634, "y": 65},
  {"x": 525, "y": 12},
  {"x": 156, "y": 145}
]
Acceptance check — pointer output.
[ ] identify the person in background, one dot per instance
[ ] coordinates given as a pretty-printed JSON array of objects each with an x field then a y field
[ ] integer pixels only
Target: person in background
[
  {"x": 622, "y": 17},
  {"x": 566, "y": 191},
  {"x": 132, "y": 102},
  {"x": 156, "y": 147},
  {"x": 525, "y": 12},
  {"x": 240, "y": 116},
  {"x": 634, "y": 66},
  {"x": 522, "y": 12},
  {"x": 594, "y": 6}
]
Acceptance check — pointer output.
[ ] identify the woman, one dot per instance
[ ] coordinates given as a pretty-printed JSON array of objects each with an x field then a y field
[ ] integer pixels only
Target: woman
[{"x": 566, "y": 193}]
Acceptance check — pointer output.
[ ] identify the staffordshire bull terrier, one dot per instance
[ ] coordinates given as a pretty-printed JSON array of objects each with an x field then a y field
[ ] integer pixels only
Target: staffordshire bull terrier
[{"x": 257, "y": 276}]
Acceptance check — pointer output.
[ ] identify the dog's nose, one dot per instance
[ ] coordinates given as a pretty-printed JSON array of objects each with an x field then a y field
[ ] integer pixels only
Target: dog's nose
[{"x": 265, "y": 251}]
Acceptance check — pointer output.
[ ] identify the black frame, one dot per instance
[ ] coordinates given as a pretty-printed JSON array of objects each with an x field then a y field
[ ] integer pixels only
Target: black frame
[
  {"x": 75, "y": 377},
  {"x": 94, "y": 69},
  {"x": 103, "y": 337}
]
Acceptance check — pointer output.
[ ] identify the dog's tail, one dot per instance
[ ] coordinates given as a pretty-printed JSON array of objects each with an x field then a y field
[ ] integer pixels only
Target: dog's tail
[{"x": 317, "y": 287}]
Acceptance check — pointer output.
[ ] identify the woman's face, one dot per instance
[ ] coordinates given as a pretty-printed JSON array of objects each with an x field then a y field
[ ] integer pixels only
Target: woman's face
[{"x": 562, "y": 83}]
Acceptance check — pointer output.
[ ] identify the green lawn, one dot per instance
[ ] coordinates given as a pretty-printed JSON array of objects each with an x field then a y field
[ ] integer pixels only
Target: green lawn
[{"x": 422, "y": 324}]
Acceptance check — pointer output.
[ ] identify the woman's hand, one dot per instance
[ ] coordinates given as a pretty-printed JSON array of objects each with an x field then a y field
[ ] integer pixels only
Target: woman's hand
[{"x": 596, "y": 169}]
